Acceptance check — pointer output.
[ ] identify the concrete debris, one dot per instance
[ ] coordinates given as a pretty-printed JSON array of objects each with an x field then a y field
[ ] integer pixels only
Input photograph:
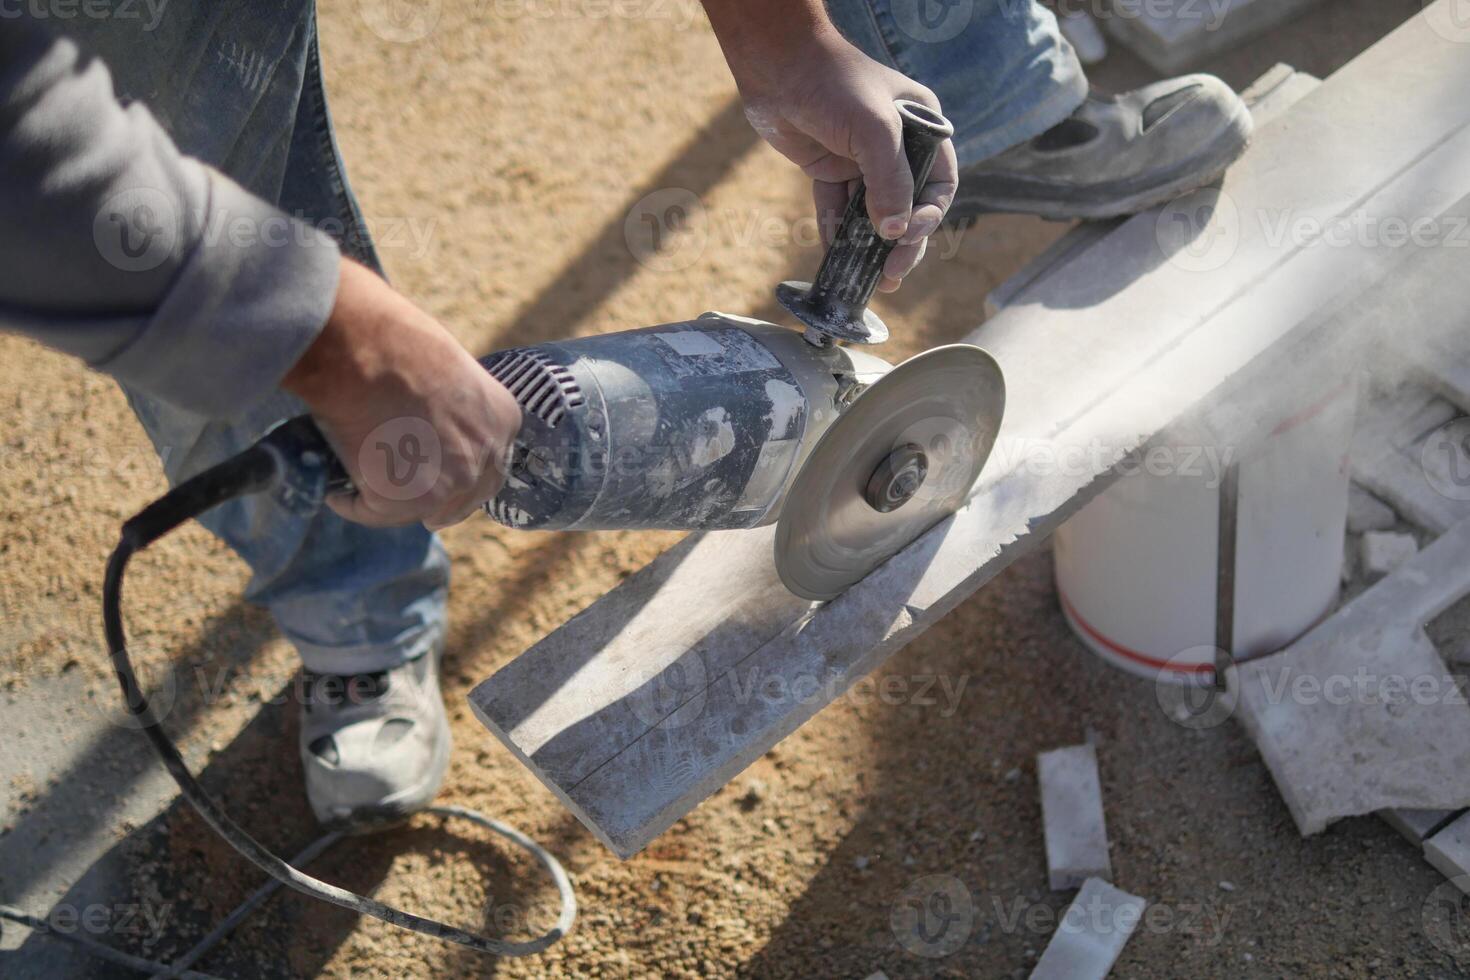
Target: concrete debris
[
  {"x": 1417, "y": 825},
  {"x": 1081, "y": 30},
  {"x": 1072, "y": 816},
  {"x": 1367, "y": 513},
  {"x": 1399, "y": 450},
  {"x": 1091, "y": 933},
  {"x": 1383, "y": 551},
  {"x": 1361, "y": 714},
  {"x": 1449, "y": 852}
]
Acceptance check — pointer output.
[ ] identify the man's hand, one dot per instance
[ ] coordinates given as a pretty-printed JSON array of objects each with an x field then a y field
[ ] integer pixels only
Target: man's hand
[
  {"x": 828, "y": 108},
  {"x": 421, "y": 428}
]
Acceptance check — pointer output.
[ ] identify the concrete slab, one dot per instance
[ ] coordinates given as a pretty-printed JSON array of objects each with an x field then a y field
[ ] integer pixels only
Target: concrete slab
[
  {"x": 1072, "y": 817},
  {"x": 1177, "y": 35},
  {"x": 1361, "y": 714},
  {"x": 1091, "y": 934},
  {"x": 668, "y": 687}
]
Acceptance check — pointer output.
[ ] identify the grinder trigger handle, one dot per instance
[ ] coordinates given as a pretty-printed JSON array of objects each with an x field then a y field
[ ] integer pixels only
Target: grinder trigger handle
[{"x": 835, "y": 306}]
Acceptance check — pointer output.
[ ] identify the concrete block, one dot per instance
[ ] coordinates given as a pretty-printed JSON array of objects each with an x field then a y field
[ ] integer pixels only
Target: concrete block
[
  {"x": 1383, "y": 551},
  {"x": 1176, "y": 35},
  {"x": 1361, "y": 714},
  {"x": 1449, "y": 852},
  {"x": 1367, "y": 513},
  {"x": 1091, "y": 934},
  {"x": 1072, "y": 816},
  {"x": 1415, "y": 826}
]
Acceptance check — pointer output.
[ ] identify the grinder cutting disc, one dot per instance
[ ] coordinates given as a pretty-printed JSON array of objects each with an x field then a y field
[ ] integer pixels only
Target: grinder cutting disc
[{"x": 900, "y": 459}]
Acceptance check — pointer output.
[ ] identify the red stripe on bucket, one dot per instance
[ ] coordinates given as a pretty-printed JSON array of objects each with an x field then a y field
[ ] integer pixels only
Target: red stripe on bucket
[{"x": 1123, "y": 651}]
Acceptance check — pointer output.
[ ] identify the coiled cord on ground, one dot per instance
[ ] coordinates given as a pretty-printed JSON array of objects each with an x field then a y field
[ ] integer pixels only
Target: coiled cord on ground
[{"x": 260, "y": 468}]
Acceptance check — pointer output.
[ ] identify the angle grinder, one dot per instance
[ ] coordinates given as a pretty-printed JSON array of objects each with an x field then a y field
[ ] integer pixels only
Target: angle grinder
[
  {"x": 717, "y": 422},
  {"x": 727, "y": 422}
]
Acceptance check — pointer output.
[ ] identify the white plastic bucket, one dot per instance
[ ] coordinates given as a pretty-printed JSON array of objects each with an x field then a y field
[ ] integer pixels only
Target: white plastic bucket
[{"x": 1138, "y": 569}]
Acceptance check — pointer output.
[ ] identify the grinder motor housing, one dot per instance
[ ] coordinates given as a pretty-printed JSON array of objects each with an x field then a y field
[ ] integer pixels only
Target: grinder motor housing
[{"x": 702, "y": 424}]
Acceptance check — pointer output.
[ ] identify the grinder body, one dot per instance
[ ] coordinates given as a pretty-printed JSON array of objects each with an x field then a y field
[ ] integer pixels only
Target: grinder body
[{"x": 701, "y": 424}]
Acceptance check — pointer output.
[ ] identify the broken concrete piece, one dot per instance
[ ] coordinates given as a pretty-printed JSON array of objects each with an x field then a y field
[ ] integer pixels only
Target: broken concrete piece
[
  {"x": 1389, "y": 446},
  {"x": 1361, "y": 714},
  {"x": 1091, "y": 933},
  {"x": 1174, "y": 35},
  {"x": 1367, "y": 513},
  {"x": 1072, "y": 816},
  {"x": 1416, "y": 825},
  {"x": 1383, "y": 551},
  {"x": 1449, "y": 852}
]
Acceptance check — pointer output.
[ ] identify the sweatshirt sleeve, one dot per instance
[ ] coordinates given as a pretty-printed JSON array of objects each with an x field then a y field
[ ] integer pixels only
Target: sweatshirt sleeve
[{"x": 143, "y": 262}]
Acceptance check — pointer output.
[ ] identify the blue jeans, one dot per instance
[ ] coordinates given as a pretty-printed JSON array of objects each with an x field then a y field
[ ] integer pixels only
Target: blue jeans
[
  {"x": 1001, "y": 68},
  {"x": 238, "y": 85}
]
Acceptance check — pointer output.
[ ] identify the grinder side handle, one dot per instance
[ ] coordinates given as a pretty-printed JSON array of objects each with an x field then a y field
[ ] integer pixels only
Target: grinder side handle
[{"x": 834, "y": 306}]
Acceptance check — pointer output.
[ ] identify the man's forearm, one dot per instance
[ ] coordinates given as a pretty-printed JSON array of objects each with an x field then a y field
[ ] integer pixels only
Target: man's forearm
[{"x": 755, "y": 33}]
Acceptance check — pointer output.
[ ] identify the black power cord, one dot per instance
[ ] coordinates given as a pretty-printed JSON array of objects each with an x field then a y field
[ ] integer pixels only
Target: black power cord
[{"x": 260, "y": 468}]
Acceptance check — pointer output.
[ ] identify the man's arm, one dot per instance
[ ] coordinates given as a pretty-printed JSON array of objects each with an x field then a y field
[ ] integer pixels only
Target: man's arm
[
  {"x": 167, "y": 275},
  {"x": 828, "y": 108},
  {"x": 143, "y": 262}
]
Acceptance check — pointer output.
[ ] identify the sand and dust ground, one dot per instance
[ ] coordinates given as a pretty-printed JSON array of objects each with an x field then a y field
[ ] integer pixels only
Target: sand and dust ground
[{"x": 510, "y": 161}]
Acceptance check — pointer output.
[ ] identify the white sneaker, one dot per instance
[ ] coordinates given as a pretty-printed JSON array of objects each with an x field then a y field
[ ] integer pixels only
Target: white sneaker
[{"x": 375, "y": 747}]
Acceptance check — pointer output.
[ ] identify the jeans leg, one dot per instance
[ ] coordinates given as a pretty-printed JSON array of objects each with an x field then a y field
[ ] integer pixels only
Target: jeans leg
[
  {"x": 1001, "y": 68},
  {"x": 351, "y": 599}
]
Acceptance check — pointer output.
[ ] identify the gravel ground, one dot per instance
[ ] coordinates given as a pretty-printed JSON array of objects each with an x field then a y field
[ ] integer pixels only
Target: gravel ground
[{"x": 473, "y": 150}]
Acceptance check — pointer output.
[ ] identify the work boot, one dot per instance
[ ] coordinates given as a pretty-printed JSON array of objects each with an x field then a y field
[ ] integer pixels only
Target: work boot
[
  {"x": 1115, "y": 155},
  {"x": 375, "y": 746}
]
